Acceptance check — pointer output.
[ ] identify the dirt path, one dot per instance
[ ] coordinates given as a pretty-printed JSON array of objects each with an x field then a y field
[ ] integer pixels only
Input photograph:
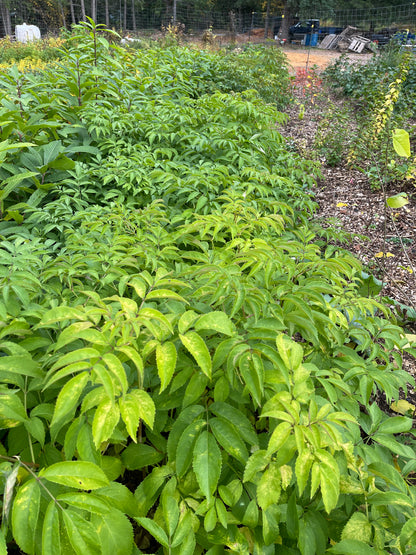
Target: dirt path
[
  {"x": 345, "y": 196},
  {"x": 298, "y": 57}
]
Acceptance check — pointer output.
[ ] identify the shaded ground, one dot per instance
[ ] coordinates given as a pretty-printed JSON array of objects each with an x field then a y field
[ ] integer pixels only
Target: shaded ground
[{"x": 382, "y": 238}]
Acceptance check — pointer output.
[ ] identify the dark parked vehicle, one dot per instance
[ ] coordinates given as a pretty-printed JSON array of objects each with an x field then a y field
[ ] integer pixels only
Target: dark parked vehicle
[
  {"x": 311, "y": 26},
  {"x": 302, "y": 28}
]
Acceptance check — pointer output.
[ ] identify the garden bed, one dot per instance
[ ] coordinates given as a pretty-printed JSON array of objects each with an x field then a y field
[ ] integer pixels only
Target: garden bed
[{"x": 191, "y": 361}]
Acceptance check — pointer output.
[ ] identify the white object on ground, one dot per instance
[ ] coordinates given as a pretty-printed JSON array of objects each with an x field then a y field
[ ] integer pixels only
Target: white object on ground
[
  {"x": 129, "y": 39},
  {"x": 26, "y": 33}
]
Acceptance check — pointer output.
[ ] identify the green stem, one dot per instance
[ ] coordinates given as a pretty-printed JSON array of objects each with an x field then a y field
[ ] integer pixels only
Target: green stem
[
  {"x": 35, "y": 476},
  {"x": 32, "y": 454}
]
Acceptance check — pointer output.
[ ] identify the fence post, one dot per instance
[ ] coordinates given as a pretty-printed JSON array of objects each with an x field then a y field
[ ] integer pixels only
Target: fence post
[
  {"x": 251, "y": 26},
  {"x": 232, "y": 26}
]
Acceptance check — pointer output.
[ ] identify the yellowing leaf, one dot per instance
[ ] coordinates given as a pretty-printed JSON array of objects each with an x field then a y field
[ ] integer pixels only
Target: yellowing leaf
[
  {"x": 286, "y": 473},
  {"x": 401, "y": 142},
  {"x": 269, "y": 487},
  {"x": 130, "y": 413},
  {"x": 341, "y": 204},
  {"x": 25, "y": 515},
  {"x": 279, "y": 437},
  {"x": 75, "y": 474},
  {"x": 302, "y": 469},
  {"x": 382, "y": 254},
  {"x": 402, "y": 406},
  {"x": 407, "y": 269},
  {"x": 217, "y": 321},
  {"x": 198, "y": 349},
  {"x": 146, "y": 406},
  {"x": 166, "y": 362},
  {"x": 358, "y": 527},
  {"x": 50, "y": 530},
  {"x": 411, "y": 338},
  {"x": 105, "y": 420},
  {"x": 397, "y": 201}
]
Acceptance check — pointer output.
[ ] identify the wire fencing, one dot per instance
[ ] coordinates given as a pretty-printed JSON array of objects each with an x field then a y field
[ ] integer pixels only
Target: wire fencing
[
  {"x": 127, "y": 17},
  {"x": 122, "y": 17},
  {"x": 402, "y": 16}
]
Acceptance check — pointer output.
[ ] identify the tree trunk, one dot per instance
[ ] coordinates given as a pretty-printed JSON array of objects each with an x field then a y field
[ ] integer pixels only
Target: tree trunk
[
  {"x": 174, "y": 12},
  {"x": 233, "y": 28},
  {"x": 61, "y": 9},
  {"x": 125, "y": 16},
  {"x": 94, "y": 10},
  {"x": 5, "y": 15},
  {"x": 133, "y": 13},
  {"x": 266, "y": 26},
  {"x": 71, "y": 7},
  {"x": 286, "y": 21},
  {"x": 83, "y": 13},
  {"x": 107, "y": 14}
]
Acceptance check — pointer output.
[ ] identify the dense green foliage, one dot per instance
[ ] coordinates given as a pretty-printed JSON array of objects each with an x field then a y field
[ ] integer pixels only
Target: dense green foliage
[
  {"x": 369, "y": 82},
  {"x": 187, "y": 365}
]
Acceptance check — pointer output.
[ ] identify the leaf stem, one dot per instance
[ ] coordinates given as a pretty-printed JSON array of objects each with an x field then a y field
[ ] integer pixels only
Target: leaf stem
[{"x": 35, "y": 476}]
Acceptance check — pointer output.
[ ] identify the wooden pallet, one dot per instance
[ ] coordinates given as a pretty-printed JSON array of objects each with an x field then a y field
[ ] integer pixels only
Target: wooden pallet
[
  {"x": 330, "y": 41},
  {"x": 358, "y": 44}
]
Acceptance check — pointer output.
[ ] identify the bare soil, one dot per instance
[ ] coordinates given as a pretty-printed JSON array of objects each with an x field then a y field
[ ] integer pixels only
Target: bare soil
[{"x": 319, "y": 58}]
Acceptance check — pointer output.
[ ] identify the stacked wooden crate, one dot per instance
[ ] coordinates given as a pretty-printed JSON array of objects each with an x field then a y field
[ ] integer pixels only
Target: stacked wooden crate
[{"x": 347, "y": 40}]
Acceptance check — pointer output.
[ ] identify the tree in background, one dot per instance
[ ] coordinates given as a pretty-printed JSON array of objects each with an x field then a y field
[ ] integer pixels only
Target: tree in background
[
  {"x": 5, "y": 17},
  {"x": 367, "y": 4},
  {"x": 48, "y": 14}
]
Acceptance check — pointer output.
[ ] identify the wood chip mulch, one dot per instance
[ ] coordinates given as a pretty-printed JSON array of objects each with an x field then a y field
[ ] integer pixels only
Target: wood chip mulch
[{"x": 382, "y": 238}]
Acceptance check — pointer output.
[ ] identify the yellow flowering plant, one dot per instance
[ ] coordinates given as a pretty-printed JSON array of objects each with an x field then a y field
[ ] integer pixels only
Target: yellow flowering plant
[{"x": 44, "y": 50}]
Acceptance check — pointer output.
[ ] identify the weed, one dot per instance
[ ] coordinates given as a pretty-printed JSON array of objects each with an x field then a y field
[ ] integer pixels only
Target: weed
[
  {"x": 173, "y": 33},
  {"x": 208, "y": 37}
]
